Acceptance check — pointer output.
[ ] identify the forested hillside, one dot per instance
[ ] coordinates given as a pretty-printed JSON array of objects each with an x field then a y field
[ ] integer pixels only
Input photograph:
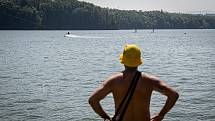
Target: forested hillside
[{"x": 73, "y": 14}]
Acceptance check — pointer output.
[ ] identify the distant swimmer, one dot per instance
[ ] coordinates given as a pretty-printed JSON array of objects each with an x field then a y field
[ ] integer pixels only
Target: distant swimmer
[
  {"x": 135, "y": 30},
  {"x": 132, "y": 91},
  {"x": 68, "y": 33}
]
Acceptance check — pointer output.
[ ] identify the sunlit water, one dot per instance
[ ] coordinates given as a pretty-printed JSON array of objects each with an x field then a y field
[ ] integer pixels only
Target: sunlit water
[{"x": 48, "y": 77}]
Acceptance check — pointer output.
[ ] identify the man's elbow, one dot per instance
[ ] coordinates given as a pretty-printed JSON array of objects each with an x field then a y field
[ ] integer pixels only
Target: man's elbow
[
  {"x": 174, "y": 95},
  {"x": 92, "y": 101}
]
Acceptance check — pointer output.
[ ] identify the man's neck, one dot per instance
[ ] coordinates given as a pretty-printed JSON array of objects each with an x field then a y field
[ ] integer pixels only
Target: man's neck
[{"x": 130, "y": 68}]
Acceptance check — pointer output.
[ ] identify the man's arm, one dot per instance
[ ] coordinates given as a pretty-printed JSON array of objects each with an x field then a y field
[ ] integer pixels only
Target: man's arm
[
  {"x": 172, "y": 97},
  {"x": 98, "y": 95}
]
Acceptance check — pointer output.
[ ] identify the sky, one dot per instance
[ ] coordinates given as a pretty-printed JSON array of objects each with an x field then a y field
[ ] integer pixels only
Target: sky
[{"x": 186, "y": 6}]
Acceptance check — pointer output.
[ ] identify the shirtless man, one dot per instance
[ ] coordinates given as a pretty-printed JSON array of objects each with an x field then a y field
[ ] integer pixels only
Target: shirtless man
[{"x": 139, "y": 106}]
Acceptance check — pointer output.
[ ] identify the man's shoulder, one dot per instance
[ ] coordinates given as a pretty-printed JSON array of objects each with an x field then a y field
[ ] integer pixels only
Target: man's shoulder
[
  {"x": 112, "y": 78},
  {"x": 116, "y": 76},
  {"x": 150, "y": 77}
]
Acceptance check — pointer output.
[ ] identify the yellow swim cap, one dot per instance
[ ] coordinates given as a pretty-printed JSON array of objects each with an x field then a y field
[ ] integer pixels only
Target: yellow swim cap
[{"x": 131, "y": 56}]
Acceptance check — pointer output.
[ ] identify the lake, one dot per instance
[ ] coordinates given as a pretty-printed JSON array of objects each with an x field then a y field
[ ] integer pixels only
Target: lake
[{"x": 48, "y": 77}]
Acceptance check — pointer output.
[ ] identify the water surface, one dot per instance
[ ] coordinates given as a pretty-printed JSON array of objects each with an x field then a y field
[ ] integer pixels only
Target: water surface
[{"x": 46, "y": 76}]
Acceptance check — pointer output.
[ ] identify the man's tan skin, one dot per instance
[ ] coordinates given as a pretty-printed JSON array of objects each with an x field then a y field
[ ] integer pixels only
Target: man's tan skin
[{"x": 139, "y": 106}]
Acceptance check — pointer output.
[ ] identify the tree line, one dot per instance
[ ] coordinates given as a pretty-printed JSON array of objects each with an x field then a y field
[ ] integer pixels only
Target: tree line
[{"x": 73, "y": 14}]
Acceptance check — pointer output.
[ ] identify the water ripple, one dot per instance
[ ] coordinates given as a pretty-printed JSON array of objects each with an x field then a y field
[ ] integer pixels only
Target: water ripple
[
  {"x": 50, "y": 77},
  {"x": 31, "y": 101}
]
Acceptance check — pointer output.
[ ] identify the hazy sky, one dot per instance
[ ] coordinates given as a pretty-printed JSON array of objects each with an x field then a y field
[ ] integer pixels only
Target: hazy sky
[{"x": 166, "y": 5}]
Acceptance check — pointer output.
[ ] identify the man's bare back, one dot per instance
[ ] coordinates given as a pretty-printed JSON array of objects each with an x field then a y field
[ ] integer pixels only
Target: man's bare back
[{"x": 138, "y": 109}]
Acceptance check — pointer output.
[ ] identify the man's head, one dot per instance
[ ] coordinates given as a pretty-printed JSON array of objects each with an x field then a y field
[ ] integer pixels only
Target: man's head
[{"x": 131, "y": 56}]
